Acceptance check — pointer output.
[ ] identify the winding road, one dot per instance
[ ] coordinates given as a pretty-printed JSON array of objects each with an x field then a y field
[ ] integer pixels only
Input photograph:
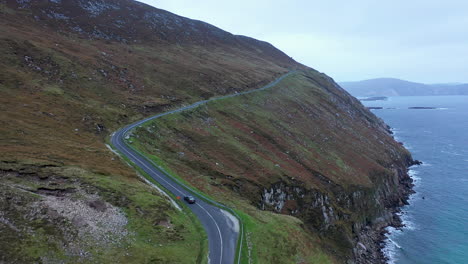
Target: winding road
[{"x": 221, "y": 227}]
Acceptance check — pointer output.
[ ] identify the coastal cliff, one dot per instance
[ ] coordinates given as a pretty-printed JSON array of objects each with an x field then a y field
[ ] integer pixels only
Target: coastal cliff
[
  {"x": 303, "y": 148},
  {"x": 323, "y": 211}
]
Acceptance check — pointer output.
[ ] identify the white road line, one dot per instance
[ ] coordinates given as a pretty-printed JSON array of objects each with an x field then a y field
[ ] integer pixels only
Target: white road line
[
  {"x": 115, "y": 138},
  {"x": 241, "y": 240},
  {"x": 159, "y": 177},
  {"x": 219, "y": 232},
  {"x": 149, "y": 168}
]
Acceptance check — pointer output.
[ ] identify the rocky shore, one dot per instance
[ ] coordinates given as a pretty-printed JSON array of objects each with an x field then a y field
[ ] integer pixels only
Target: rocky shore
[{"x": 370, "y": 240}]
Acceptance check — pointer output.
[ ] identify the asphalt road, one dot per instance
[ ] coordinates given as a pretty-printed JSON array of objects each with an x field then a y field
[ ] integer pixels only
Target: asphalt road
[{"x": 222, "y": 228}]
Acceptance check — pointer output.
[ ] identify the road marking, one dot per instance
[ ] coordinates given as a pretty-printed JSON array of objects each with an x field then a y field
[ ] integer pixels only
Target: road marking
[
  {"x": 159, "y": 177},
  {"x": 219, "y": 232},
  {"x": 119, "y": 135}
]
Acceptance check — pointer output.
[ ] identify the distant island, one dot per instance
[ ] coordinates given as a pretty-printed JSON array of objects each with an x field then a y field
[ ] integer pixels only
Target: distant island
[
  {"x": 395, "y": 87},
  {"x": 422, "y": 107},
  {"x": 374, "y": 98}
]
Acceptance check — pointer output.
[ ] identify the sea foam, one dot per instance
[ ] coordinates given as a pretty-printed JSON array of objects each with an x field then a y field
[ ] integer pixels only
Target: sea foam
[{"x": 391, "y": 247}]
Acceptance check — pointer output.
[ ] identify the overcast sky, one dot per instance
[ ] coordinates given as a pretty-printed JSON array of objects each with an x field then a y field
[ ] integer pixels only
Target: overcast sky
[{"x": 416, "y": 40}]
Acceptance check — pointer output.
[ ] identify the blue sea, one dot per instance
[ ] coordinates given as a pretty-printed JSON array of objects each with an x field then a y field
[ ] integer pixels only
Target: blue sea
[{"x": 437, "y": 218}]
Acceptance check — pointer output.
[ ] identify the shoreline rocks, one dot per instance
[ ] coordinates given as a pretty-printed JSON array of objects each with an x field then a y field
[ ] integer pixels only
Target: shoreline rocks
[{"x": 373, "y": 236}]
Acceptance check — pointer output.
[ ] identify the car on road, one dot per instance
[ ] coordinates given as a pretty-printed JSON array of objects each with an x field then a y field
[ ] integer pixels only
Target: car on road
[{"x": 189, "y": 199}]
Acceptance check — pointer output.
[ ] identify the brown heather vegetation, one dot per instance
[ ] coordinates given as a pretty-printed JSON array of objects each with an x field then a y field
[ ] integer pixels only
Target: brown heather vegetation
[
  {"x": 305, "y": 142},
  {"x": 62, "y": 92},
  {"x": 74, "y": 71}
]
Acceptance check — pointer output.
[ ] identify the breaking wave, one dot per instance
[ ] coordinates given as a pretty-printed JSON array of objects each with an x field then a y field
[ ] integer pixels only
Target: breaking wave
[{"x": 391, "y": 247}]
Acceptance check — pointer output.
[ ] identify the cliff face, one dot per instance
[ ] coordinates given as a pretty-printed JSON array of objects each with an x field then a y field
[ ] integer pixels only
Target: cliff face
[
  {"x": 304, "y": 148},
  {"x": 351, "y": 219}
]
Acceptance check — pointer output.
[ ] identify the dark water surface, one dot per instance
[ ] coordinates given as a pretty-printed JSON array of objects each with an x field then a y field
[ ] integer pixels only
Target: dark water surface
[{"x": 437, "y": 218}]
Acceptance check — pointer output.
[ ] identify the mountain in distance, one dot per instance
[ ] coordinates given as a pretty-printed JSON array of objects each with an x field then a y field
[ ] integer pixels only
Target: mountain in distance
[{"x": 397, "y": 87}]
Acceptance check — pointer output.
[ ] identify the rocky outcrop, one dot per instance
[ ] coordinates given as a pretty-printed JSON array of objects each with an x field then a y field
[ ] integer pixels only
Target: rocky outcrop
[
  {"x": 366, "y": 212},
  {"x": 71, "y": 218},
  {"x": 296, "y": 200}
]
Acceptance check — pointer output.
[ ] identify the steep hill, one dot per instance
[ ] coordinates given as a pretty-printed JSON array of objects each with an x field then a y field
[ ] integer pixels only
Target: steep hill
[
  {"x": 71, "y": 73},
  {"x": 306, "y": 149},
  {"x": 312, "y": 170},
  {"x": 397, "y": 87}
]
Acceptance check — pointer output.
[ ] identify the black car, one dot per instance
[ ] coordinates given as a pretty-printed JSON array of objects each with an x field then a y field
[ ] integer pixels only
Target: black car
[{"x": 189, "y": 199}]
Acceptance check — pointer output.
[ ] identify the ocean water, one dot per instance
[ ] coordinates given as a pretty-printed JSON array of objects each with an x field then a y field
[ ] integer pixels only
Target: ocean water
[{"x": 437, "y": 218}]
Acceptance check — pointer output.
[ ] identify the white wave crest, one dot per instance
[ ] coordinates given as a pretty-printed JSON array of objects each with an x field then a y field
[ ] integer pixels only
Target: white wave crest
[
  {"x": 451, "y": 153},
  {"x": 391, "y": 247},
  {"x": 414, "y": 175}
]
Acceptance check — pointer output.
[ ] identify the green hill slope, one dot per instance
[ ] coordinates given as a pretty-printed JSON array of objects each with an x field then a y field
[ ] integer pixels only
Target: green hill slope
[
  {"x": 303, "y": 148},
  {"x": 74, "y": 71}
]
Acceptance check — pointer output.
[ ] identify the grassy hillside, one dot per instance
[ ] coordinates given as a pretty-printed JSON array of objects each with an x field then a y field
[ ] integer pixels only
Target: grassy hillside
[
  {"x": 64, "y": 90},
  {"x": 307, "y": 167},
  {"x": 53, "y": 214},
  {"x": 304, "y": 149}
]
